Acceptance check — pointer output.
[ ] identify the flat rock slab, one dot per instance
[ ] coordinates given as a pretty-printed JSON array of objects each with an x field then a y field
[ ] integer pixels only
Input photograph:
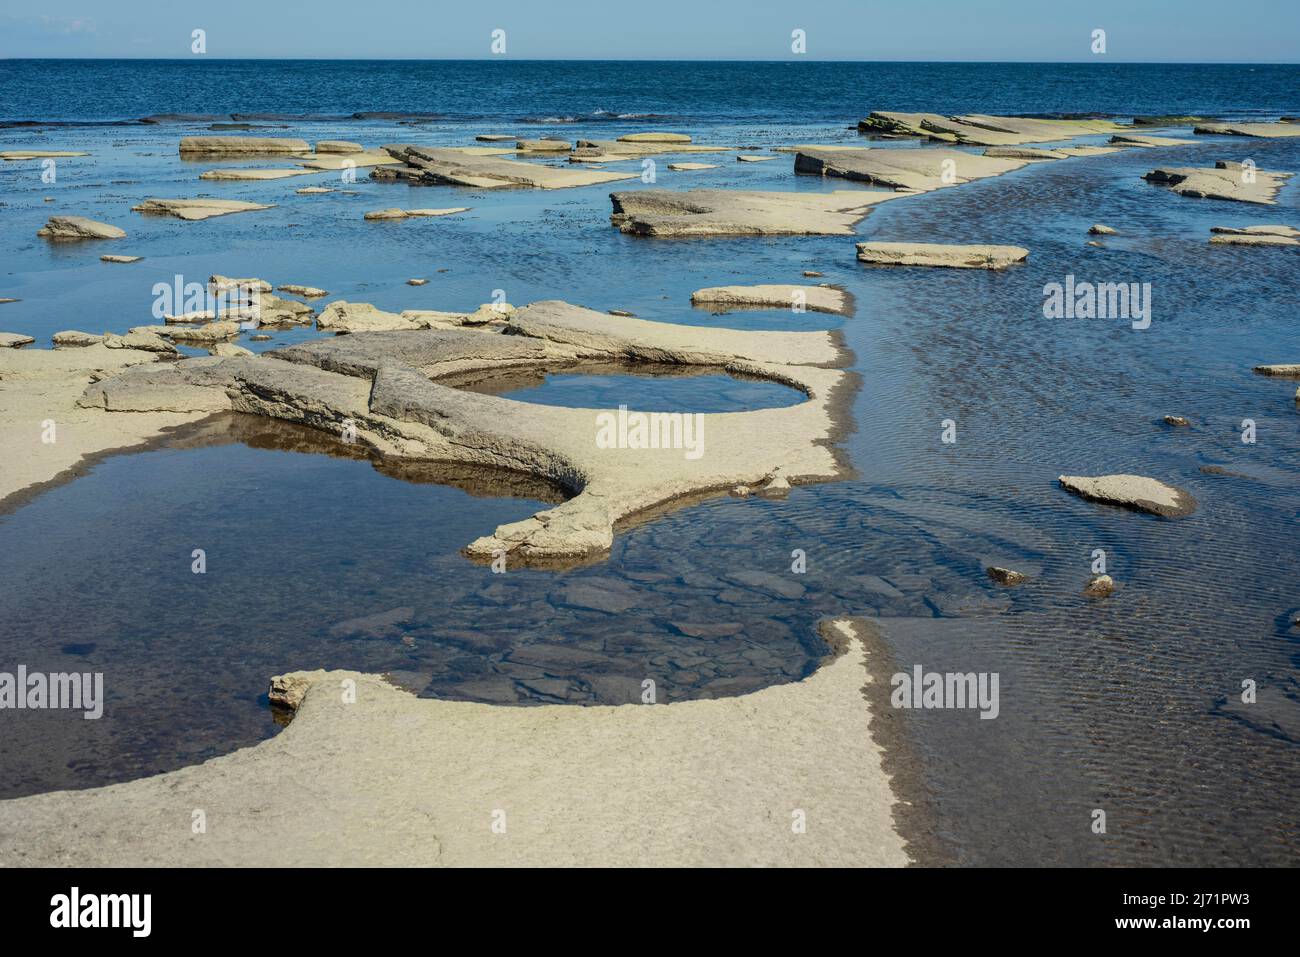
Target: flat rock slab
[
  {"x": 307, "y": 292},
  {"x": 338, "y": 161},
  {"x": 690, "y": 167},
  {"x": 242, "y": 145},
  {"x": 12, "y": 340},
  {"x": 78, "y": 227},
  {"x": 12, "y": 155},
  {"x": 254, "y": 174},
  {"x": 799, "y": 297},
  {"x": 543, "y": 146},
  {"x": 1229, "y": 181},
  {"x": 196, "y": 209},
  {"x": 1132, "y": 139},
  {"x": 433, "y": 352},
  {"x": 1265, "y": 130},
  {"x": 746, "y": 158},
  {"x": 396, "y": 213},
  {"x": 1136, "y": 492},
  {"x": 458, "y": 168},
  {"x": 1025, "y": 153},
  {"x": 1255, "y": 235},
  {"x": 1288, "y": 369},
  {"x": 977, "y": 129},
  {"x": 720, "y": 212},
  {"x": 339, "y": 146},
  {"x": 941, "y": 254},
  {"x": 654, "y": 137},
  {"x": 915, "y": 170}
]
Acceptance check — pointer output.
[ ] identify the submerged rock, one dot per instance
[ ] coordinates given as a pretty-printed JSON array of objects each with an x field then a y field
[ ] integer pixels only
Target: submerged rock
[
  {"x": 1006, "y": 576},
  {"x": 1097, "y": 229},
  {"x": 1137, "y": 492},
  {"x": 78, "y": 227},
  {"x": 940, "y": 254},
  {"x": 1099, "y": 586},
  {"x": 1177, "y": 421}
]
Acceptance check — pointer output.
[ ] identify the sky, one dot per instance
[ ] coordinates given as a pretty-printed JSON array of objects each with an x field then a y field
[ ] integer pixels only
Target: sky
[{"x": 1189, "y": 31}]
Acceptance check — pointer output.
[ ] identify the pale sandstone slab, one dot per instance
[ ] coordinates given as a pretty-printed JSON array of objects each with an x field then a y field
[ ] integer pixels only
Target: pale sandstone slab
[
  {"x": 941, "y": 254},
  {"x": 78, "y": 227},
  {"x": 915, "y": 170},
  {"x": 721, "y": 212},
  {"x": 691, "y": 167},
  {"x": 1133, "y": 139},
  {"x": 1264, "y": 130},
  {"x": 120, "y": 259},
  {"x": 339, "y": 146},
  {"x": 717, "y": 782},
  {"x": 242, "y": 145},
  {"x": 1255, "y": 235},
  {"x": 307, "y": 292},
  {"x": 775, "y": 296},
  {"x": 395, "y": 213},
  {"x": 1136, "y": 492},
  {"x": 12, "y": 340},
  {"x": 253, "y": 174},
  {"x": 982, "y": 129},
  {"x": 653, "y": 137},
  {"x": 1283, "y": 369},
  {"x": 458, "y": 168},
  {"x": 13, "y": 155},
  {"x": 1226, "y": 180},
  {"x": 195, "y": 209}
]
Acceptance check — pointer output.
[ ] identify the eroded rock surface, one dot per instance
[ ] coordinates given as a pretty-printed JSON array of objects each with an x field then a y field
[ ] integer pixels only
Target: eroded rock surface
[
  {"x": 1137, "y": 492},
  {"x": 775, "y": 296},
  {"x": 941, "y": 254},
  {"x": 1255, "y": 235},
  {"x": 78, "y": 227},
  {"x": 1226, "y": 180},
  {"x": 455, "y": 167},
  {"x": 195, "y": 209},
  {"x": 724, "y": 212}
]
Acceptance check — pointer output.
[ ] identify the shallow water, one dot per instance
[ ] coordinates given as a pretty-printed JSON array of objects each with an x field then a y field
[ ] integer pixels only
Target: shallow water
[{"x": 1128, "y": 704}]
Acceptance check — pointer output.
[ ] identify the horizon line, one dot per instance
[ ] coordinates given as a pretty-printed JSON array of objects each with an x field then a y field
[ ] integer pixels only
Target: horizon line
[{"x": 500, "y": 58}]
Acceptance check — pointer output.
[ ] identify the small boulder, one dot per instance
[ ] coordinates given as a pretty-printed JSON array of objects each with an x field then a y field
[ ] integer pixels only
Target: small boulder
[
  {"x": 1099, "y": 586},
  {"x": 1177, "y": 421},
  {"x": 1097, "y": 229}
]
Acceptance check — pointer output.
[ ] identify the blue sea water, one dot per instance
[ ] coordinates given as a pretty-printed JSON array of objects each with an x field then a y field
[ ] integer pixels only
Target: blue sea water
[{"x": 1131, "y": 704}]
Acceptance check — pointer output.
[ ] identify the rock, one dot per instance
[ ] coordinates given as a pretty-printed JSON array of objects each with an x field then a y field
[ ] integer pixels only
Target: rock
[
  {"x": 218, "y": 283},
  {"x": 195, "y": 209},
  {"x": 691, "y": 167},
  {"x": 343, "y": 316},
  {"x": 380, "y": 625},
  {"x": 740, "y": 491},
  {"x": 1135, "y": 492},
  {"x": 1284, "y": 369},
  {"x": 1093, "y": 242},
  {"x": 197, "y": 315},
  {"x": 228, "y": 349},
  {"x": 940, "y": 254},
  {"x": 339, "y": 146},
  {"x": 260, "y": 337},
  {"x": 1128, "y": 139},
  {"x": 239, "y": 175},
  {"x": 1256, "y": 235},
  {"x": 70, "y": 337},
  {"x": 417, "y": 282},
  {"x": 242, "y": 145},
  {"x": 655, "y": 137},
  {"x": 288, "y": 691},
  {"x": 775, "y": 485},
  {"x": 621, "y": 312},
  {"x": 307, "y": 292},
  {"x": 212, "y": 332},
  {"x": 1177, "y": 421},
  {"x": 907, "y": 170},
  {"x": 725, "y": 212},
  {"x": 1099, "y": 586},
  {"x": 120, "y": 259},
  {"x": 812, "y": 274},
  {"x": 495, "y": 137},
  {"x": 1225, "y": 181},
  {"x": 543, "y": 146},
  {"x": 12, "y": 340},
  {"x": 395, "y": 213},
  {"x": 814, "y": 298},
  {"x": 1267, "y": 130},
  {"x": 1097, "y": 229},
  {"x": 746, "y": 158},
  {"x": 456, "y": 168},
  {"x": 314, "y": 190},
  {"x": 595, "y": 597},
  {"x": 1025, "y": 153},
  {"x": 1006, "y": 576},
  {"x": 979, "y": 129},
  {"x": 138, "y": 339},
  {"x": 78, "y": 227},
  {"x": 10, "y": 156},
  {"x": 778, "y": 586}
]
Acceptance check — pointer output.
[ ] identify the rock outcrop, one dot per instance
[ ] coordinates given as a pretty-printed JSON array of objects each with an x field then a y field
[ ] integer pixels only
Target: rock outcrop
[
  {"x": 453, "y": 167},
  {"x": 242, "y": 145},
  {"x": 195, "y": 209},
  {"x": 799, "y": 298},
  {"x": 978, "y": 129},
  {"x": 1264, "y": 130},
  {"x": 1255, "y": 235}
]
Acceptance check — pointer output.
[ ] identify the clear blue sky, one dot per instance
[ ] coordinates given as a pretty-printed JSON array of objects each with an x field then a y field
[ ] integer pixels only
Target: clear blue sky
[{"x": 1136, "y": 30}]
